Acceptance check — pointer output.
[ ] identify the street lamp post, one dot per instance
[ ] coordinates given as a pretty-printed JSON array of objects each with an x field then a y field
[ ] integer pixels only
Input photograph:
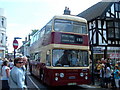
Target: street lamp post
[
  {"x": 14, "y": 53},
  {"x": 92, "y": 58},
  {"x": 15, "y": 44}
]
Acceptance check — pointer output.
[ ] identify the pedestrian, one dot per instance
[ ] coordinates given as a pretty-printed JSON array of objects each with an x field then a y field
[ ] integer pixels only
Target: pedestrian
[
  {"x": 112, "y": 80},
  {"x": 102, "y": 76},
  {"x": 1, "y": 62},
  {"x": 11, "y": 63},
  {"x": 28, "y": 60},
  {"x": 98, "y": 68},
  {"x": 116, "y": 76},
  {"x": 24, "y": 68},
  {"x": 118, "y": 64},
  {"x": 107, "y": 75},
  {"x": 5, "y": 75},
  {"x": 17, "y": 77}
]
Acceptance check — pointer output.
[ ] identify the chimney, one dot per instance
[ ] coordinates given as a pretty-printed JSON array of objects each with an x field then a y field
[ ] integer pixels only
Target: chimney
[
  {"x": 67, "y": 11},
  {"x": 26, "y": 39}
]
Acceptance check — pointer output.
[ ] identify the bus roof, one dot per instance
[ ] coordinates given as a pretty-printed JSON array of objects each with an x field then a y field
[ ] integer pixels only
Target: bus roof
[{"x": 70, "y": 17}]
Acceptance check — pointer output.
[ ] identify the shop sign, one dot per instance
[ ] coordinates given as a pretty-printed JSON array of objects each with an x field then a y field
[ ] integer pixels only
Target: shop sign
[
  {"x": 114, "y": 55},
  {"x": 97, "y": 50}
]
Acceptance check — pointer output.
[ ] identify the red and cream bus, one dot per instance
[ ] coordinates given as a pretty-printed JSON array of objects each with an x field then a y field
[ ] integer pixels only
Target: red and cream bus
[{"x": 59, "y": 52}]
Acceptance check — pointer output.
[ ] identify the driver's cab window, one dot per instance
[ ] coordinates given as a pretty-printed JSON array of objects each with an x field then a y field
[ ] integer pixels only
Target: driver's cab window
[{"x": 69, "y": 58}]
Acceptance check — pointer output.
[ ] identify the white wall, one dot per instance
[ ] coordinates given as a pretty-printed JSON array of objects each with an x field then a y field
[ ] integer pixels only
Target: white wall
[{"x": 3, "y": 24}]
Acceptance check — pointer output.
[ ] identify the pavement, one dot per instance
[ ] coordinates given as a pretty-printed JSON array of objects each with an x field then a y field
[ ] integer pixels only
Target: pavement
[
  {"x": 89, "y": 86},
  {"x": 96, "y": 85}
]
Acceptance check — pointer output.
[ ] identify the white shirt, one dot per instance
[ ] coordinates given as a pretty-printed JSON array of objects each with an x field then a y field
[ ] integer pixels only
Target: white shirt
[
  {"x": 108, "y": 72},
  {"x": 11, "y": 64},
  {"x": 4, "y": 74}
]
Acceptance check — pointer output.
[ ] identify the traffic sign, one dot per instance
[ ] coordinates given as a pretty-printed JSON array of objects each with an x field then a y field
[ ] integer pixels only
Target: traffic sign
[{"x": 15, "y": 44}]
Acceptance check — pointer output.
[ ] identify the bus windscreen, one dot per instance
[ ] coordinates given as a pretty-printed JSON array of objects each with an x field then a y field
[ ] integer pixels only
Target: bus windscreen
[{"x": 70, "y": 58}]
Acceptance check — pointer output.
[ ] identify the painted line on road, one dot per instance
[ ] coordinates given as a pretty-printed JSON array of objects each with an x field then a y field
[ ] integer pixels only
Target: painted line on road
[{"x": 33, "y": 83}]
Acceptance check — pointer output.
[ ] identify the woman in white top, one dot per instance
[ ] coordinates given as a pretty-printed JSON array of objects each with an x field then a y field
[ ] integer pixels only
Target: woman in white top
[
  {"x": 107, "y": 74},
  {"x": 5, "y": 75},
  {"x": 11, "y": 63}
]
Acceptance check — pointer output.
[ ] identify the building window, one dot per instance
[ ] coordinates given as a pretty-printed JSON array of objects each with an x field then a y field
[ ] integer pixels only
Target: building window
[
  {"x": 113, "y": 30},
  {"x": 117, "y": 33},
  {"x": 110, "y": 33}
]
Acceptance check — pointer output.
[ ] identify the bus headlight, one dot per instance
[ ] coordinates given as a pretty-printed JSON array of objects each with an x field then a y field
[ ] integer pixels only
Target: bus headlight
[
  {"x": 61, "y": 75},
  {"x": 56, "y": 78},
  {"x": 81, "y": 74},
  {"x": 86, "y": 77}
]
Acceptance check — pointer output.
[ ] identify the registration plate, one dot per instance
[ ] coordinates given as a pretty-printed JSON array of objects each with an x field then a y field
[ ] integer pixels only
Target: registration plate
[
  {"x": 72, "y": 77},
  {"x": 72, "y": 83}
]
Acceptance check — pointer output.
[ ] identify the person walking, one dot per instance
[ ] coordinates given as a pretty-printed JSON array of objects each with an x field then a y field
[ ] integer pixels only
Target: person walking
[
  {"x": 116, "y": 76},
  {"x": 24, "y": 68},
  {"x": 17, "y": 77},
  {"x": 5, "y": 75},
  {"x": 1, "y": 63},
  {"x": 11, "y": 63},
  {"x": 107, "y": 75},
  {"x": 102, "y": 76},
  {"x": 98, "y": 68}
]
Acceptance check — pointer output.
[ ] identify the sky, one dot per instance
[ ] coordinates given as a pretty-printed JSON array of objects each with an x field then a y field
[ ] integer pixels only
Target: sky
[{"x": 23, "y": 16}]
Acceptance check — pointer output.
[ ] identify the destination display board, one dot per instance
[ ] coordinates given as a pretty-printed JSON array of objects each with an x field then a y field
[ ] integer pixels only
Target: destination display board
[{"x": 72, "y": 39}]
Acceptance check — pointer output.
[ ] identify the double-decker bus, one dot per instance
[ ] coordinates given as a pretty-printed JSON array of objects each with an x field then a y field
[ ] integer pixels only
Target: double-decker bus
[{"x": 59, "y": 52}]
